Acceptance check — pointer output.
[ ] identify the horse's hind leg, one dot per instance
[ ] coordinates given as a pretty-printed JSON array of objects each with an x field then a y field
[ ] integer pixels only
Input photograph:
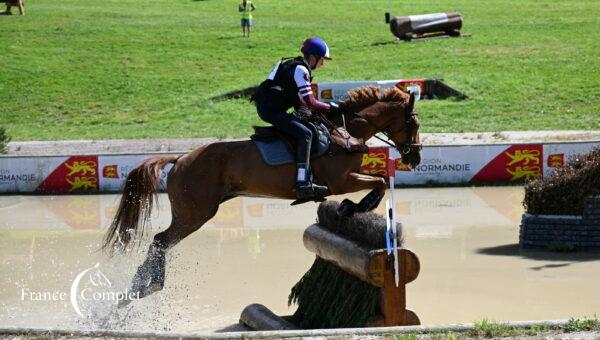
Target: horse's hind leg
[{"x": 150, "y": 276}]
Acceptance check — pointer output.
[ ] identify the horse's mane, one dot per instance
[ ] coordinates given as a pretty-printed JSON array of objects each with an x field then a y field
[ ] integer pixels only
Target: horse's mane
[{"x": 368, "y": 95}]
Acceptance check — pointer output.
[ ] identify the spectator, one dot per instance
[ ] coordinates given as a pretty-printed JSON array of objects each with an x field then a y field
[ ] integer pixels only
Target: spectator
[
  {"x": 10, "y": 3},
  {"x": 246, "y": 8}
]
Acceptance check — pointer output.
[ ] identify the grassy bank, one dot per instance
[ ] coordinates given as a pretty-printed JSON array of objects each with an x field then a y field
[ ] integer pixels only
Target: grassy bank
[{"x": 123, "y": 69}]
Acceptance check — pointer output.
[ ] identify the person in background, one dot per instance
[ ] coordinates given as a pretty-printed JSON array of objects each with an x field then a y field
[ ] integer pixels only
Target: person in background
[
  {"x": 246, "y": 8},
  {"x": 10, "y": 3}
]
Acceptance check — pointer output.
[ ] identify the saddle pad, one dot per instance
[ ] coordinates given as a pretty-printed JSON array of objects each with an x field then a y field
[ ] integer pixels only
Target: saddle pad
[{"x": 276, "y": 152}]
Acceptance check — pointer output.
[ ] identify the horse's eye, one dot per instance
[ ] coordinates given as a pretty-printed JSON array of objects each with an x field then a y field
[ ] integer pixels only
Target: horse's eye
[{"x": 395, "y": 126}]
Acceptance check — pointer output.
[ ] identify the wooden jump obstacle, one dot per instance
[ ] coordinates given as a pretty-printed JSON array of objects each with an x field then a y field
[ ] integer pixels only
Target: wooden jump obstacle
[
  {"x": 374, "y": 267},
  {"x": 426, "y": 26}
]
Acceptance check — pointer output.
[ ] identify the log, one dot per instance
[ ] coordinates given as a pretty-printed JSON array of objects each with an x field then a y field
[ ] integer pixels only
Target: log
[
  {"x": 406, "y": 27},
  {"x": 344, "y": 253},
  {"x": 260, "y": 318},
  {"x": 366, "y": 265}
]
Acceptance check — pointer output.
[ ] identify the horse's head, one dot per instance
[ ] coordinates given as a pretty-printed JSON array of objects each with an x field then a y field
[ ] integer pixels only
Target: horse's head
[{"x": 391, "y": 112}]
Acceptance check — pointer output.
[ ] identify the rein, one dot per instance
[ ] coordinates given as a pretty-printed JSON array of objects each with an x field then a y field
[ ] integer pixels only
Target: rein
[{"x": 408, "y": 125}]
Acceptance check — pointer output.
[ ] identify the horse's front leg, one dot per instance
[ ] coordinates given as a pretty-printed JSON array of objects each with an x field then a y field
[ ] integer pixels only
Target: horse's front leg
[{"x": 356, "y": 182}]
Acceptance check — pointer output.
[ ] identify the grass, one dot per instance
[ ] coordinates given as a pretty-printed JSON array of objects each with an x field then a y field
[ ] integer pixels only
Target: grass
[
  {"x": 577, "y": 325},
  {"x": 123, "y": 69},
  {"x": 4, "y": 140},
  {"x": 492, "y": 329}
]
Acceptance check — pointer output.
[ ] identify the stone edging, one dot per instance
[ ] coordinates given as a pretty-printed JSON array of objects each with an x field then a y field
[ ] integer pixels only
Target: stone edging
[
  {"x": 374, "y": 331},
  {"x": 563, "y": 230},
  {"x": 95, "y": 147}
]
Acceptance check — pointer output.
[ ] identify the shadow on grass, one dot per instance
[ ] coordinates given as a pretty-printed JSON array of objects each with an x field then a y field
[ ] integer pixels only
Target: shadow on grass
[
  {"x": 227, "y": 37},
  {"x": 382, "y": 43},
  {"x": 565, "y": 258}
]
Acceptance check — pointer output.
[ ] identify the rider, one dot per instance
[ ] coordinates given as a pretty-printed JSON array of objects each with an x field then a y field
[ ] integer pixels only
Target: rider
[{"x": 288, "y": 85}]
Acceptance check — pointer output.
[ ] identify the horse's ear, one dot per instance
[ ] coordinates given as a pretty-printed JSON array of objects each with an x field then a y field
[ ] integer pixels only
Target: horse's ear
[{"x": 411, "y": 102}]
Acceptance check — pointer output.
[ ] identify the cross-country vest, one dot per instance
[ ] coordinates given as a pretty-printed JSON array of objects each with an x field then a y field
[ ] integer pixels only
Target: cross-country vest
[
  {"x": 247, "y": 10},
  {"x": 281, "y": 92}
]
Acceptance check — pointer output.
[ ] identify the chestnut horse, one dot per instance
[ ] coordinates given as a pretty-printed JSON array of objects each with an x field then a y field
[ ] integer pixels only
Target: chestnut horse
[{"x": 204, "y": 178}]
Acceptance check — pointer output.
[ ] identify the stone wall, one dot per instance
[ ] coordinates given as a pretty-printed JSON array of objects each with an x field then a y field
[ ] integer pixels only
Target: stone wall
[{"x": 562, "y": 230}]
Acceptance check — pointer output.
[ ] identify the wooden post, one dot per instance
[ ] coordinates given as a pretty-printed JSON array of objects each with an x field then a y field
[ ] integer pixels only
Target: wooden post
[{"x": 393, "y": 299}]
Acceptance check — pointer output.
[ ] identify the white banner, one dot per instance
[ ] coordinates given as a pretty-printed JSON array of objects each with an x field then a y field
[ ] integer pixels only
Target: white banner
[
  {"x": 439, "y": 165},
  {"x": 338, "y": 91}
]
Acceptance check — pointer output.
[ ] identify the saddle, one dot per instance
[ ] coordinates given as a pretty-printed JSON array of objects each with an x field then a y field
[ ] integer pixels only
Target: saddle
[{"x": 278, "y": 148}]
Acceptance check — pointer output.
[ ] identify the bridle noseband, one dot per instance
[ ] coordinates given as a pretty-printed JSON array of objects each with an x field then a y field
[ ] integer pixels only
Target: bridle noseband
[{"x": 410, "y": 124}]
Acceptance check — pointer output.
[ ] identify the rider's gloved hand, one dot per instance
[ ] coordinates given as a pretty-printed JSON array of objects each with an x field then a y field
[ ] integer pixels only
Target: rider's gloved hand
[
  {"x": 304, "y": 113},
  {"x": 335, "y": 107}
]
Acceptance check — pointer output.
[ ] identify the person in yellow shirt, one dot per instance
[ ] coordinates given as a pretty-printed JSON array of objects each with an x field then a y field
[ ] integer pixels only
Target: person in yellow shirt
[
  {"x": 10, "y": 3},
  {"x": 246, "y": 8}
]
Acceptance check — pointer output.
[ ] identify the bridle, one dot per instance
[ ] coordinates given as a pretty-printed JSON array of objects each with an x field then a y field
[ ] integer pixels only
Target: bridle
[{"x": 410, "y": 125}]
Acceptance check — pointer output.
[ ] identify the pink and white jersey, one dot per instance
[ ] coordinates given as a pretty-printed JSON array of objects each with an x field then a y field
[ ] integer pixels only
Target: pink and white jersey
[{"x": 302, "y": 79}]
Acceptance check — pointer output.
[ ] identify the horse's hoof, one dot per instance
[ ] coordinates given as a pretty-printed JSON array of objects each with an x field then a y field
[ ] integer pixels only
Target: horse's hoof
[
  {"x": 151, "y": 288},
  {"x": 137, "y": 292},
  {"x": 369, "y": 202},
  {"x": 124, "y": 303},
  {"x": 346, "y": 208}
]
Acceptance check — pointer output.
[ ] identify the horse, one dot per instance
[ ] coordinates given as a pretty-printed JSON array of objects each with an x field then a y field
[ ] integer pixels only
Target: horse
[{"x": 201, "y": 180}]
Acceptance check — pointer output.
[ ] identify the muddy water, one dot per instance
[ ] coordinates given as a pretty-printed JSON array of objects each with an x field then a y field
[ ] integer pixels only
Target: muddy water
[{"x": 52, "y": 275}]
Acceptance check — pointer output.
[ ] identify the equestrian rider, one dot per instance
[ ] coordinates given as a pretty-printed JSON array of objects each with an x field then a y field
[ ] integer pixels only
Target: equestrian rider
[{"x": 288, "y": 85}]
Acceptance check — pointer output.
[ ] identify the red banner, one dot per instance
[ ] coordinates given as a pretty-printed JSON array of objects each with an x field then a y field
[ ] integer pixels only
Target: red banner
[
  {"x": 556, "y": 161},
  {"x": 375, "y": 162},
  {"x": 518, "y": 162},
  {"x": 77, "y": 174}
]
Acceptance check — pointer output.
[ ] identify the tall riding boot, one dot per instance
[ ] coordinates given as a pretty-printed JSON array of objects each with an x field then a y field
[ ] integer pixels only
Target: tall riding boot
[{"x": 305, "y": 189}]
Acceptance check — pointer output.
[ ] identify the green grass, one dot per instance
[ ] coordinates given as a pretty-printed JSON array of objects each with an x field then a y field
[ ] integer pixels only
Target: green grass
[
  {"x": 578, "y": 325},
  {"x": 80, "y": 69},
  {"x": 492, "y": 329},
  {"x": 4, "y": 140}
]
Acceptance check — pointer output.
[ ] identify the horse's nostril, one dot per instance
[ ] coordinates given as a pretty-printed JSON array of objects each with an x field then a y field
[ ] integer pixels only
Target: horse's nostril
[{"x": 413, "y": 159}]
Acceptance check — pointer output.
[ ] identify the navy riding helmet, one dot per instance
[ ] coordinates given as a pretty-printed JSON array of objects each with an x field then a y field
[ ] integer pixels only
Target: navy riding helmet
[{"x": 317, "y": 47}]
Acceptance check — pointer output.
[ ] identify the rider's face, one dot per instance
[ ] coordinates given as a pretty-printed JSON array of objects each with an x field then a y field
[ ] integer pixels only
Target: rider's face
[
  {"x": 319, "y": 63},
  {"x": 315, "y": 62}
]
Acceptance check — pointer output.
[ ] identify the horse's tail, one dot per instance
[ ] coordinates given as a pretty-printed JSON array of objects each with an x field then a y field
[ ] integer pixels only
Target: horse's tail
[{"x": 139, "y": 194}]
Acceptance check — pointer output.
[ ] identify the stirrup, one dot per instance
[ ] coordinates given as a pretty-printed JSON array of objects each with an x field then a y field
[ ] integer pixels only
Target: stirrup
[{"x": 310, "y": 191}]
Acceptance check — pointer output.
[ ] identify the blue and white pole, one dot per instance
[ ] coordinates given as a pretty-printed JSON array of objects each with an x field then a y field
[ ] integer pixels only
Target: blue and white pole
[{"x": 392, "y": 227}]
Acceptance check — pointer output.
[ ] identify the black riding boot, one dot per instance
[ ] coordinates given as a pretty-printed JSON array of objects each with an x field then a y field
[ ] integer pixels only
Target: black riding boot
[{"x": 305, "y": 189}]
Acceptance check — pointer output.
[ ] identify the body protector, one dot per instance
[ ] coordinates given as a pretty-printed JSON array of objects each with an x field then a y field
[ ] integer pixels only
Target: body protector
[{"x": 280, "y": 91}]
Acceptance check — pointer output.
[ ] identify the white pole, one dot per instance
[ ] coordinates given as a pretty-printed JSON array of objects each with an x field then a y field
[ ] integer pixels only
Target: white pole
[
  {"x": 388, "y": 229},
  {"x": 392, "y": 170}
]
